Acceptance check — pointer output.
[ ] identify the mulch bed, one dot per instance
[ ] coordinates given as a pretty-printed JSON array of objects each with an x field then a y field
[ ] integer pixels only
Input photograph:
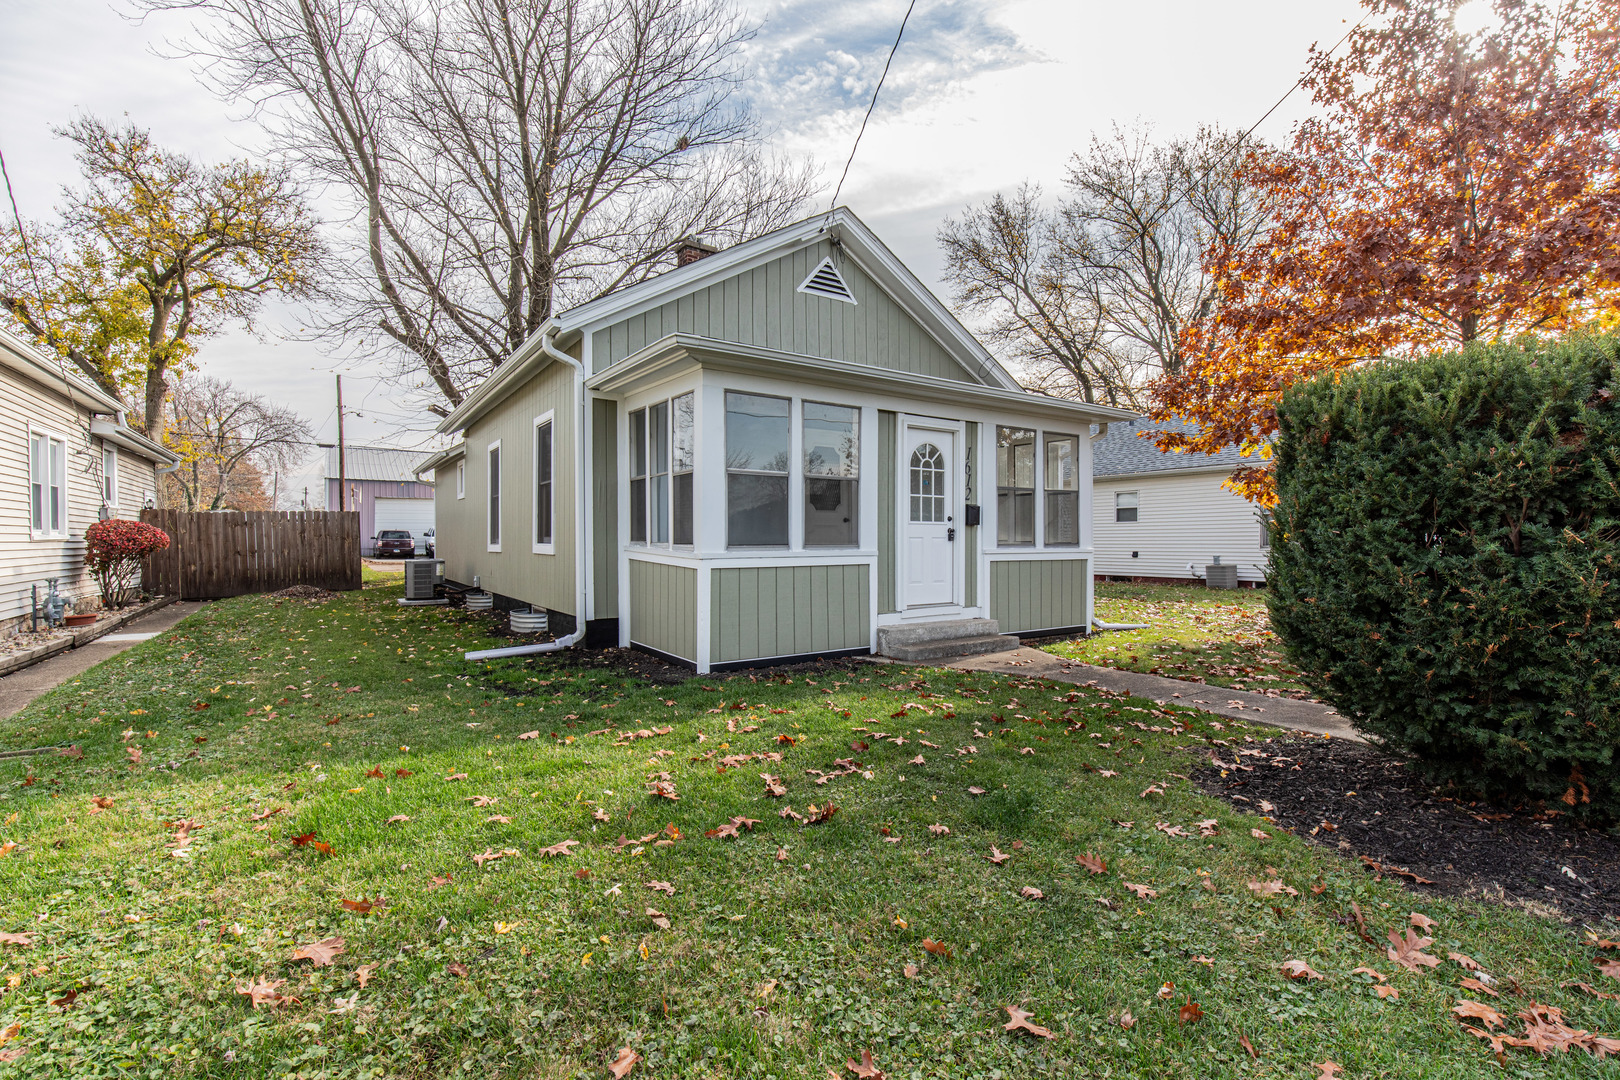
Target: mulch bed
[{"x": 1398, "y": 826}]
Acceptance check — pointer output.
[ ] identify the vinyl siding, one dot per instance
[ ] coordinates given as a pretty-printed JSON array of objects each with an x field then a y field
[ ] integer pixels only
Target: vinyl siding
[
  {"x": 542, "y": 580},
  {"x": 763, "y": 307},
  {"x": 1038, "y": 594},
  {"x": 888, "y": 423},
  {"x": 761, "y": 612},
  {"x": 1179, "y": 520},
  {"x": 453, "y": 523},
  {"x": 663, "y": 608},
  {"x": 24, "y": 561}
]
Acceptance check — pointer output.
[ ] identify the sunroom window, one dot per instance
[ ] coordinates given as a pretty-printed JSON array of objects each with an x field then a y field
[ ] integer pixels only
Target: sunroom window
[
  {"x": 1062, "y": 489},
  {"x": 1015, "y": 486},
  {"x": 832, "y": 441},
  {"x": 758, "y": 448}
]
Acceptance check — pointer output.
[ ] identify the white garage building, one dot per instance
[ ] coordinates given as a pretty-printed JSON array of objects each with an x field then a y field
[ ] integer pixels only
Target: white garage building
[{"x": 379, "y": 483}]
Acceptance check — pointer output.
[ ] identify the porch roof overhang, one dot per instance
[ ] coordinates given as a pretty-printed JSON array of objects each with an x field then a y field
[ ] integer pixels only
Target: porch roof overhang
[
  {"x": 439, "y": 457},
  {"x": 133, "y": 441},
  {"x": 665, "y": 357}
]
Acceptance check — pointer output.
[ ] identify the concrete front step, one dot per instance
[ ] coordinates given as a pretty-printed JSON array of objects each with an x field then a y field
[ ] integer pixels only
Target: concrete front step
[
  {"x": 917, "y": 633},
  {"x": 951, "y": 647}
]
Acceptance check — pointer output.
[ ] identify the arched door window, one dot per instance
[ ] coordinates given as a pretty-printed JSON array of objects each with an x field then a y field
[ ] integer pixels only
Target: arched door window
[{"x": 927, "y": 484}]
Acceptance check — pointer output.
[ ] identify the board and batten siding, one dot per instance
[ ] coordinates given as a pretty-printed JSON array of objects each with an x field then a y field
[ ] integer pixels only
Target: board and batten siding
[
  {"x": 663, "y": 607},
  {"x": 888, "y": 429},
  {"x": 1180, "y": 519},
  {"x": 24, "y": 561},
  {"x": 763, "y": 307},
  {"x": 970, "y": 533},
  {"x": 516, "y": 570},
  {"x": 1038, "y": 594},
  {"x": 604, "y": 508},
  {"x": 757, "y": 613}
]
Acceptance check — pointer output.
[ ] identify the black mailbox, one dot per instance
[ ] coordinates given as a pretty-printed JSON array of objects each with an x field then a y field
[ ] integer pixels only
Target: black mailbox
[{"x": 970, "y": 515}]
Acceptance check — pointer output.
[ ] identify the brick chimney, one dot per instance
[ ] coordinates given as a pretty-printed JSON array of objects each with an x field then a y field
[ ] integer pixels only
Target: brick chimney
[{"x": 689, "y": 249}]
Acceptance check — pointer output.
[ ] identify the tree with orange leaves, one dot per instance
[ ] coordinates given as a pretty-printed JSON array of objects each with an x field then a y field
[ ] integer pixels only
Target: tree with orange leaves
[{"x": 1454, "y": 187}]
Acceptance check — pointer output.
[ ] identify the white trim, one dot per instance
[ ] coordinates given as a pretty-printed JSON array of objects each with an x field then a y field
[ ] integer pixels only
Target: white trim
[
  {"x": 461, "y": 478},
  {"x": 52, "y": 438},
  {"x": 494, "y": 497},
  {"x": 535, "y": 546}
]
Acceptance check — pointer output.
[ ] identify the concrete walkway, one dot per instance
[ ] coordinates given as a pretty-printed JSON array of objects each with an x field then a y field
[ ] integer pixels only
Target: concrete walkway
[
  {"x": 21, "y": 687},
  {"x": 1237, "y": 704}
]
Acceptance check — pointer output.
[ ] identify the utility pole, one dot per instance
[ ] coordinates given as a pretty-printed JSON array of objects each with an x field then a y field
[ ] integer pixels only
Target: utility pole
[{"x": 343, "y": 472}]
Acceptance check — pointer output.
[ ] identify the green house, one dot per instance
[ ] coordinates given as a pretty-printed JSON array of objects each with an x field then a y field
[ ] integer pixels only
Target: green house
[{"x": 783, "y": 450}]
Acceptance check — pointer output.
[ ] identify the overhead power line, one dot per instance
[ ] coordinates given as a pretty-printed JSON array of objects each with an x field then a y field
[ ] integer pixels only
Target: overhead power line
[{"x": 870, "y": 106}]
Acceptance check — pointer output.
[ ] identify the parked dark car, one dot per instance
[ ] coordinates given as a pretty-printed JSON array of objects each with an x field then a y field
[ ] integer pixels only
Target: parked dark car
[{"x": 393, "y": 544}]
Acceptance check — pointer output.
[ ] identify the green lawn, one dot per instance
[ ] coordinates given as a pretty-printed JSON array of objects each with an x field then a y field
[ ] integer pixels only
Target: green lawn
[
  {"x": 789, "y": 948},
  {"x": 1220, "y": 637}
]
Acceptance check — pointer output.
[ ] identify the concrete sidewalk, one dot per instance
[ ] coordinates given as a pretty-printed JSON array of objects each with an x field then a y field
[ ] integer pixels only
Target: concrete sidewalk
[
  {"x": 21, "y": 687},
  {"x": 1237, "y": 704}
]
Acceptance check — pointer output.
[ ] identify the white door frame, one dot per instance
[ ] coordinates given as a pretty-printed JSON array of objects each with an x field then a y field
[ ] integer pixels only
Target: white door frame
[{"x": 954, "y": 476}]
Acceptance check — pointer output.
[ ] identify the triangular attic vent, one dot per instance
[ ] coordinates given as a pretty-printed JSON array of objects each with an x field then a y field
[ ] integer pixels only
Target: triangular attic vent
[{"x": 826, "y": 281}]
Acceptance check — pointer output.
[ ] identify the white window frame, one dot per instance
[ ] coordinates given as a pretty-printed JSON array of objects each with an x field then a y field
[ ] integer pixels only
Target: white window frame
[
  {"x": 109, "y": 476},
  {"x": 549, "y": 547},
  {"x": 494, "y": 500},
  {"x": 1135, "y": 494},
  {"x": 51, "y": 437},
  {"x": 643, "y": 411},
  {"x": 461, "y": 478}
]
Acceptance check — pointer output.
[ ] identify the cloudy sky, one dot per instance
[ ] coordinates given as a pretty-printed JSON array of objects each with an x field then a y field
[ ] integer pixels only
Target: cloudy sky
[{"x": 983, "y": 94}]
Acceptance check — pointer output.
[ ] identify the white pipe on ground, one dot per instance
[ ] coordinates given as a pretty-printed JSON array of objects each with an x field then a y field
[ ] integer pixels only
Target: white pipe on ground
[
  {"x": 1099, "y": 624},
  {"x": 580, "y": 510}
]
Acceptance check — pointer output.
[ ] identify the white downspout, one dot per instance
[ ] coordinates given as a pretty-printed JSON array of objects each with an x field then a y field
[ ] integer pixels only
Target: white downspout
[{"x": 581, "y": 508}]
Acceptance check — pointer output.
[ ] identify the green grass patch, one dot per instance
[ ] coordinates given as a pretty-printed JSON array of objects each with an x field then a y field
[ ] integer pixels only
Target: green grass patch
[
  {"x": 788, "y": 945},
  {"x": 1216, "y": 636}
]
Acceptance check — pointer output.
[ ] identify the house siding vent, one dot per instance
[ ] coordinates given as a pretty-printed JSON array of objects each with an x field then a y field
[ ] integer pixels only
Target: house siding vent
[{"x": 826, "y": 281}]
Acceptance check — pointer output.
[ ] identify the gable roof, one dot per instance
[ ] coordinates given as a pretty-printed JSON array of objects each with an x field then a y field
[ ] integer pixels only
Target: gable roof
[
  {"x": 1129, "y": 449},
  {"x": 20, "y": 356},
  {"x": 374, "y": 463}
]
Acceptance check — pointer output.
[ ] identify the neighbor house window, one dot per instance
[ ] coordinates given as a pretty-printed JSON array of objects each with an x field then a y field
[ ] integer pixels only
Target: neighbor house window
[
  {"x": 542, "y": 483},
  {"x": 1125, "y": 506},
  {"x": 758, "y": 448},
  {"x": 1062, "y": 489},
  {"x": 681, "y": 468},
  {"x": 832, "y": 459},
  {"x": 461, "y": 479},
  {"x": 109, "y": 476},
  {"x": 495, "y": 496},
  {"x": 47, "y": 484},
  {"x": 1015, "y": 486},
  {"x": 1265, "y": 528}
]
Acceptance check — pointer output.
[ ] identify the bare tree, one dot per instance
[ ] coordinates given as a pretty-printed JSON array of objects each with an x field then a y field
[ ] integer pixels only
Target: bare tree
[
  {"x": 1092, "y": 293},
  {"x": 503, "y": 157},
  {"x": 227, "y": 441}
]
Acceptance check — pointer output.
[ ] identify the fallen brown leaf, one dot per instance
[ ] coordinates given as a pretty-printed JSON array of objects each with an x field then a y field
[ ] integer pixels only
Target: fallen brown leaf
[
  {"x": 320, "y": 953},
  {"x": 622, "y": 1064},
  {"x": 1020, "y": 1022}
]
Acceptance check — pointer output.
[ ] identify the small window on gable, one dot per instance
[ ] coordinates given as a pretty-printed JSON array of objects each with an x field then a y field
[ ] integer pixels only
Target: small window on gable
[{"x": 825, "y": 280}]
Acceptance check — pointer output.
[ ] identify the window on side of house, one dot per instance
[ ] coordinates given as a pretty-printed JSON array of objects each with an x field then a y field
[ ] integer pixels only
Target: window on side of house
[
  {"x": 758, "y": 449},
  {"x": 681, "y": 468},
  {"x": 638, "y": 476},
  {"x": 1265, "y": 528},
  {"x": 461, "y": 479},
  {"x": 1062, "y": 489},
  {"x": 543, "y": 507},
  {"x": 47, "y": 485},
  {"x": 109, "y": 476},
  {"x": 658, "y": 472},
  {"x": 832, "y": 471},
  {"x": 1124, "y": 506},
  {"x": 1015, "y": 486},
  {"x": 495, "y": 496}
]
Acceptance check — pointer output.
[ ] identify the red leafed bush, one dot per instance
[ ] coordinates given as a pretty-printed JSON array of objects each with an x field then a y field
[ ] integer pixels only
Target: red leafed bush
[{"x": 114, "y": 551}]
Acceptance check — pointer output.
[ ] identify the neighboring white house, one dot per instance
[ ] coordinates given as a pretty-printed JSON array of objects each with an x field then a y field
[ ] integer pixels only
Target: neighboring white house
[
  {"x": 1159, "y": 515},
  {"x": 66, "y": 459}
]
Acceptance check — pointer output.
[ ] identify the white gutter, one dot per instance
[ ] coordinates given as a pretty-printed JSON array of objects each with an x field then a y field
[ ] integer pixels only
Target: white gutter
[{"x": 580, "y": 510}]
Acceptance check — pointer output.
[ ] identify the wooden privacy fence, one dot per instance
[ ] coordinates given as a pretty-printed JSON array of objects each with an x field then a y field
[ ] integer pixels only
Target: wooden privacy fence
[{"x": 229, "y": 553}]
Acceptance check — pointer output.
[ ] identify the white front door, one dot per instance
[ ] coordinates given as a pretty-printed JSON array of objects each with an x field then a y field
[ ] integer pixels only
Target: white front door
[{"x": 928, "y": 515}]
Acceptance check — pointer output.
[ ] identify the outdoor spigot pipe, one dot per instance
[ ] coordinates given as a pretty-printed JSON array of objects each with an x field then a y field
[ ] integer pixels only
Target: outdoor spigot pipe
[{"x": 580, "y": 510}]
